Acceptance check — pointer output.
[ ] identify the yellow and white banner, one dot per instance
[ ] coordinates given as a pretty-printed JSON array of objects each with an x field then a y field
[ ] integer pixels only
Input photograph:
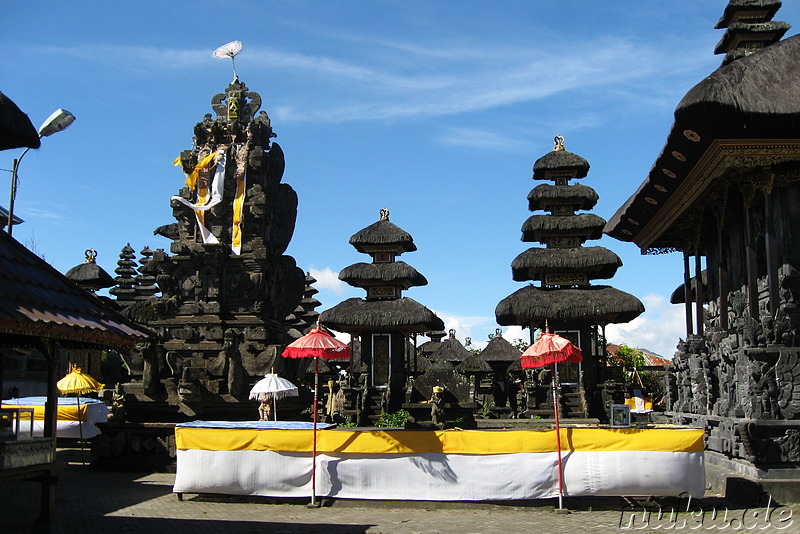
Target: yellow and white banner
[
  {"x": 204, "y": 202},
  {"x": 443, "y": 465}
]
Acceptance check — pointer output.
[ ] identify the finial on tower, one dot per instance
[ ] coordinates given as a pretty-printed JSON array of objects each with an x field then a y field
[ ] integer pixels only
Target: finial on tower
[
  {"x": 384, "y": 214},
  {"x": 229, "y": 50},
  {"x": 559, "y": 143}
]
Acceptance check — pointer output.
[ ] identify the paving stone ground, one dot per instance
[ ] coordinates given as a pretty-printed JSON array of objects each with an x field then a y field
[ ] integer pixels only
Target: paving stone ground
[{"x": 90, "y": 501}]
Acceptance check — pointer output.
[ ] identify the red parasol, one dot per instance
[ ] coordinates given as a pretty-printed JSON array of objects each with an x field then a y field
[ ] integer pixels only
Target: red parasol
[
  {"x": 318, "y": 343},
  {"x": 551, "y": 349}
]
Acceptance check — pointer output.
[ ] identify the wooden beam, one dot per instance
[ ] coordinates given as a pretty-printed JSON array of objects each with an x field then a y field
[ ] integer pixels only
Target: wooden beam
[
  {"x": 698, "y": 293},
  {"x": 687, "y": 293},
  {"x": 771, "y": 252},
  {"x": 723, "y": 283},
  {"x": 750, "y": 262}
]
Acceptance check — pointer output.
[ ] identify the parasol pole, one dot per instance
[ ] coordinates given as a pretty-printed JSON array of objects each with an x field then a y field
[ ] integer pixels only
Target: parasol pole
[
  {"x": 558, "y": 440},
  {"x": 314, "y": 449},
  {"x": 80, "y": 427}
]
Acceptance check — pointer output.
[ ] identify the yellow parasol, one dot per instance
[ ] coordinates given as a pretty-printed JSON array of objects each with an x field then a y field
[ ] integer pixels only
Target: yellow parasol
[{"x": 78, "y": 383}]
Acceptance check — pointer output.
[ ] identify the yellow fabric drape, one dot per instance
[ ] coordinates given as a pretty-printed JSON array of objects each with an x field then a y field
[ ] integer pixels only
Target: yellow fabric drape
[
  {"x": 445, "y": 441},
  {"x": 191, "y": 179},
  {"x": 238, "y": 208},
  {"x": 64, "y": 413}
]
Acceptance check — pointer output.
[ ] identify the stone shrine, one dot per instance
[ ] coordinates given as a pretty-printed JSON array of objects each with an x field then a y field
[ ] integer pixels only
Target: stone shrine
[{"x": 221, "y": 297}]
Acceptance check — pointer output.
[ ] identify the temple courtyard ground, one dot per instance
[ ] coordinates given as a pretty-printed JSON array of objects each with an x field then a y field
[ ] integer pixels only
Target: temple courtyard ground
[{"x": 92, "y": 501}]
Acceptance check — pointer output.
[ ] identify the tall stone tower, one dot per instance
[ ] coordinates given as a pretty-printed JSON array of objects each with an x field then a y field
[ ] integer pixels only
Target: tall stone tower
[{"x": 224, "y": 289}]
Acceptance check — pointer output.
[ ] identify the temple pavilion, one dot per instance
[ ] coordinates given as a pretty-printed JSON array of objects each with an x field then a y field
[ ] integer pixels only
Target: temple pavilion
[{"x": 724, "y": 192}]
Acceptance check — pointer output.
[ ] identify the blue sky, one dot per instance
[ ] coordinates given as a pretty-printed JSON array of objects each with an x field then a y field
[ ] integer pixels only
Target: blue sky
[{"x": 434, "y": 110}]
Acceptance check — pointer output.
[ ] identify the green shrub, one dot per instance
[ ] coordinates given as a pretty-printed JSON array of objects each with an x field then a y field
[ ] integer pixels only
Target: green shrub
[{"x": 397, "y": 419}]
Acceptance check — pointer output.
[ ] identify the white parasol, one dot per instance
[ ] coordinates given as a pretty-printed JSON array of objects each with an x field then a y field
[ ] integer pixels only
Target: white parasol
[{"x": 272, "y": 387}]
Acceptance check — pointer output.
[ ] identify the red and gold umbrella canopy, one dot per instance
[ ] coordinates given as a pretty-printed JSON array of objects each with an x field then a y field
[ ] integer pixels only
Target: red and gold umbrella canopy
[
  {"x": 317, "y": 343},
  {"x": 550, "y": 349}
]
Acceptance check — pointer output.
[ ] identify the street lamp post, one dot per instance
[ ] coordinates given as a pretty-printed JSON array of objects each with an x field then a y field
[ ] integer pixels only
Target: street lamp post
[{"x": 57, "y": 121}]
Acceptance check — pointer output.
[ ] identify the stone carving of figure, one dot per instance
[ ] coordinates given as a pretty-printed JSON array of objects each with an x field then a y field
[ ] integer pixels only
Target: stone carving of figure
[
  {"x": 437, "y": 406},
  {"x": 237, "y": 376},
  {"x": 763, "y": 389},
  {"x": 150, "y": 371}
]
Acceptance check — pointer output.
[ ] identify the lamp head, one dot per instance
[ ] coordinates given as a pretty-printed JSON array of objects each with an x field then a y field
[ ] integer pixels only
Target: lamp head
[{"x": 60, "y": 119}]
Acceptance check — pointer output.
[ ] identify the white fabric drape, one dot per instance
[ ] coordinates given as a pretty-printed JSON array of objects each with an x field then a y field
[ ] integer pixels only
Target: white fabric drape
[
  {"x": 217, "y": 185},
  {"x": 440, "y": 476}
]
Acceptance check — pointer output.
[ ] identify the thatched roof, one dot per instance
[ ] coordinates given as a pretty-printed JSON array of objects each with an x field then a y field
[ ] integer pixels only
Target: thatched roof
[
  {"x": 768, "y": 7},
  {"x": 534, "y": 263},
  {"x": 474, "y": 363},
  {"x": 754, "y": 98},
  {"x": 16, "y": 129},
  {"x": 679, "y": 295},
  {"x": 393, "y": 273},
  {"x": 562, "y": 161},
  {"x": 39, "y": 303},
  {"x": 544, "y": 195},
  {"x": 383, "y": 234},
  {"x": 590, "y": 305},
  {"x": 450, "y": 350},
  {"x": 539, "y": 227},
  {"x": 89, "y": 275},
  {"x": 500, "y": 350},
  {"x": 767, "y": 31},
  {"x": 402, "y": 315}
]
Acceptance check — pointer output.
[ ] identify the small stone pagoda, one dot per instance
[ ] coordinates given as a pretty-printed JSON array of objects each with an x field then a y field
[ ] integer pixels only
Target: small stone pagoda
[
  {"x": 220, "y": 297},
  {"x": 564, "y": 269},
  {"x": 385, "y": 320}
]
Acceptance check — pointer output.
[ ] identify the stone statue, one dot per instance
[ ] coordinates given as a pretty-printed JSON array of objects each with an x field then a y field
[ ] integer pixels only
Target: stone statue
[{"x": 437, "y": 406}]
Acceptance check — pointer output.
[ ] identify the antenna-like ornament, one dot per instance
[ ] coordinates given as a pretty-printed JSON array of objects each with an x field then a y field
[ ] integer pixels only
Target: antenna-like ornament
[{"x": 229, "y": 50}]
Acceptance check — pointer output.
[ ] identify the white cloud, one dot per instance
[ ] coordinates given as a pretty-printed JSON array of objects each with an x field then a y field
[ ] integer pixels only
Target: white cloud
[
  {"x": 327, "y": 279},
  {"x": 468, "y": 137},
  {"x": 658, "y": 329}
]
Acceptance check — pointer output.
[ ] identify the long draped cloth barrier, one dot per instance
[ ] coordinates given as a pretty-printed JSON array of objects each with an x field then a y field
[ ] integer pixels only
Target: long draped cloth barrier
[{"x": 440, "y": 465}]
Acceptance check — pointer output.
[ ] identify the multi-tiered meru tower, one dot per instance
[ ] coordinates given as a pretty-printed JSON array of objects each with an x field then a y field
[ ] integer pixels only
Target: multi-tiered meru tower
[{"x": 564, "y": 269}]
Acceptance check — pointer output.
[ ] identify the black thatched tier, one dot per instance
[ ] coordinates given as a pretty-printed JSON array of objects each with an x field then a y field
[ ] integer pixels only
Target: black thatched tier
[
  {"x": 450, "y": 350},
  {"x": 500, "y": 350},
  {"x": 404, "y": 315},
  {"x": 772, "y": 30},
  {"x": 396, "y": 273},
  {"x": 560, "y": 160},
  {"x": 679, "y": 295},
  {"x": 543, "y": 197},
  {"x": 474, "y": 364},
  {"x": 89, "y": 275},
  {"x": 592, "y": 305},
  {"x": 767, "y": 7},
  {"x": 756, "y": 98},
  {"x": 538, "y": 227},
  {"x": 534, "y": 263},
  {"x": 382, "y": 234}
]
